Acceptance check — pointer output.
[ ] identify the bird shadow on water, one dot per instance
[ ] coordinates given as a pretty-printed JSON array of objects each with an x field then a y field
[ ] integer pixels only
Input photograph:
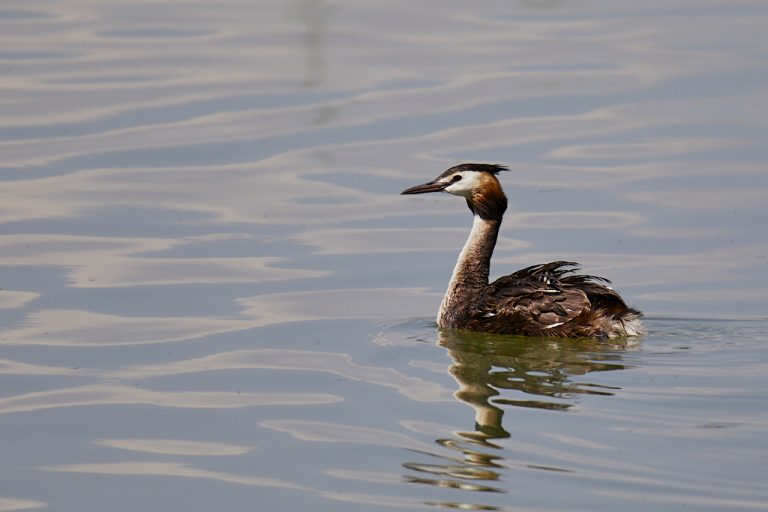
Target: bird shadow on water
[{"x": 496, "y": 374}]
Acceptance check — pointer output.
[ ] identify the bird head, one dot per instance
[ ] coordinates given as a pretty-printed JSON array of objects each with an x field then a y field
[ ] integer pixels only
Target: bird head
[{"x": 475, "y": 182}]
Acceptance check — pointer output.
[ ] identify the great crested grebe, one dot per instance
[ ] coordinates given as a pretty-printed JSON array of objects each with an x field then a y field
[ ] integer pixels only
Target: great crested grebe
[{"x": 541, "y": 300}]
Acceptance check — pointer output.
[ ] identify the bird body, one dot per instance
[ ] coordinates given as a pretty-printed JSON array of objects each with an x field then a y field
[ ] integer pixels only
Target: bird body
[{"x": 541, "y": 300}]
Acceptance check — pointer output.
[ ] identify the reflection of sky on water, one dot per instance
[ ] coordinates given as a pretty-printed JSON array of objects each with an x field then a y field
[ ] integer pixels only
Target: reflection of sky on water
[{"x": 200, "y": 221}]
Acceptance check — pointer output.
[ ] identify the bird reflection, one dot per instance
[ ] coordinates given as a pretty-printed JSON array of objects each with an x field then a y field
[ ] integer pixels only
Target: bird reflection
[
  {"x": 495, "y": 373},
  {"x": 314, "y": 15}
]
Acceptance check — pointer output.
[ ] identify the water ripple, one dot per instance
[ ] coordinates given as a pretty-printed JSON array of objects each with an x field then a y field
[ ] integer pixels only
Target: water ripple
[{"x": 199, "y": 199}]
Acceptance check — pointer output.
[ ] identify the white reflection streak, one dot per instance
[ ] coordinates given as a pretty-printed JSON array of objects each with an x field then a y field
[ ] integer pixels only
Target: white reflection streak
[
  {"x": 386, "y": 500},
  {"x": 164, "y": 271},
  {"x": 702, "y": 200},
  {"x": 77, "y": 328},
  {"x": 318, "y": 431},
  {"x": 172, "y": 469},
  {"x": 372, "y": 303},
  {"x": 169, "y": 469},
  {"x": 176, "y": 447},
  {"x": 245, "y": 196},
  {"x": 10, "y": 299},
  {"x": 97, "y": 262},
  {"x": 375, "y": 477},
  {"x": 564, "y": 219},
  {"x": 125, "y": 395},
  {"x": 12, "y": 504},
  {"x": 698, "y": 498},
  {"x": 381, "y": 241},
  {"x": 300, "y": 360},
  {"x": 10, "y": 367},
  {"x": 660, "y": 148},
  {"x": 83, "y": 328}
]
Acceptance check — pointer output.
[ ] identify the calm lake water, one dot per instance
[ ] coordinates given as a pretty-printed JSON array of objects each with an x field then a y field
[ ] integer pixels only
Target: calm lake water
[{"x": 214, "y": 297}]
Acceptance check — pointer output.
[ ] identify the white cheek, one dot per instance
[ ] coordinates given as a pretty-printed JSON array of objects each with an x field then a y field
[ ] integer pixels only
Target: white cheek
[
  {"x": 465, "y": 186},
  {"x": 458, "y": 190}
]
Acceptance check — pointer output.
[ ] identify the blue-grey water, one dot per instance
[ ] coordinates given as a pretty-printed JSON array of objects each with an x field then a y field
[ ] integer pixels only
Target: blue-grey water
[{"x": 214, "y": 297}]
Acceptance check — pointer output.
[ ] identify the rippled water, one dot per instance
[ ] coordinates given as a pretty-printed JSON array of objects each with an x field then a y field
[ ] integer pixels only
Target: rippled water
[{"x": 213, "y": 295}]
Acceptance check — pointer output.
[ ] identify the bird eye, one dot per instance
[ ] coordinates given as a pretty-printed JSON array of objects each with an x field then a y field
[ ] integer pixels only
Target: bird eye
[{"x": 456, "y": 178}]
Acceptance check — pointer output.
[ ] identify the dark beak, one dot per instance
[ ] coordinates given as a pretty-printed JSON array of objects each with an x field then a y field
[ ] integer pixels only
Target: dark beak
[{"x": 432, "y": 186}]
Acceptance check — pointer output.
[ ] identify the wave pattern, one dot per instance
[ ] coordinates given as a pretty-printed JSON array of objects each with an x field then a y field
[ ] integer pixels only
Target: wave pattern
[{"x": 207, "y": 274}]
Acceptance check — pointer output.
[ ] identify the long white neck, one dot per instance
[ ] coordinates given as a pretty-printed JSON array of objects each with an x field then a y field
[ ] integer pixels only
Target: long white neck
[{"x": 470, "y": 276}]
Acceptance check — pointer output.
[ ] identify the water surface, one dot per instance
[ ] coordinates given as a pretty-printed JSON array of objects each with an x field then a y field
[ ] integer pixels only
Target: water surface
[{"x": 213, "y": 295}]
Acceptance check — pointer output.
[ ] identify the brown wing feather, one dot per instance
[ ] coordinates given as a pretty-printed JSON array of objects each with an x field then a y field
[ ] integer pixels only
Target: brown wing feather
[{"x": 548, "y": 300}]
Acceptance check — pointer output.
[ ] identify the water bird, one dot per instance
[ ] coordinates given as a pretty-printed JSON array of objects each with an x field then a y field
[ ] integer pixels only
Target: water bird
[{"x": 548, "y": 299}]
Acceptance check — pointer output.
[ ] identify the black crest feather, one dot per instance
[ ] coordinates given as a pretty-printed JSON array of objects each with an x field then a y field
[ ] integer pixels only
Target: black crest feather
[{"x": 491, "y": 168}]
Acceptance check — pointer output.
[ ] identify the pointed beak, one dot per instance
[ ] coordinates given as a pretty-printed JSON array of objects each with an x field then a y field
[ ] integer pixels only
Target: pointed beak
[{"x": 432, "y": 186}]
